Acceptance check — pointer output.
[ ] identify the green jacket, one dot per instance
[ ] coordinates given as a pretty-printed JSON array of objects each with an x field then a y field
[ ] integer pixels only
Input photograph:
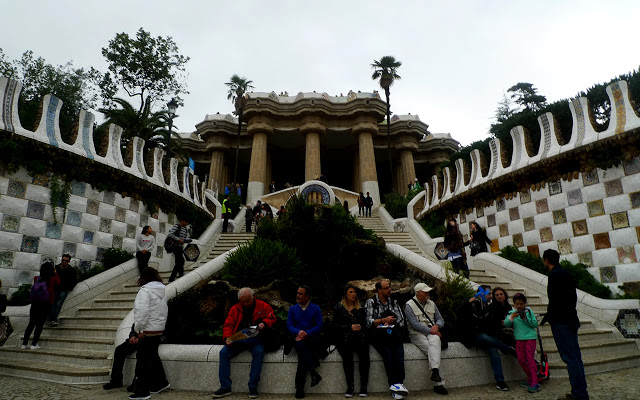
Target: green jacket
[{"x": 523, "y": 329}]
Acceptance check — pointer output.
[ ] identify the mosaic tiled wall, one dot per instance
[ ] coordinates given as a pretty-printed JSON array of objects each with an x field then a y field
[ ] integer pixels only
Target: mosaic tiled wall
[
  {"x": 594, "y": 220},
  {"x": 95, "y": 221}
]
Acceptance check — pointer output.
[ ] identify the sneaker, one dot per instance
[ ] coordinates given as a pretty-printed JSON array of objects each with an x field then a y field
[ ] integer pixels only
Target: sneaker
[
  {"x": 524, "y": 384},
  {"x": 435, "y": 375},
  {"x": 502, "y": 386},
  {"x": 53, "y": 324},
  {"x": 162, "y": 388},
  {"x": 315, "y": 379},
  {"x": 140, "y": 396},
  {"x": 533, "y": 389},
  {"x": 111, "y": 385},
  {"x": 397, "y": 396},
  {"x": 299, "y": 393},
  {"x": 221, "y": 393},
  {"x": 253, "y": 393},
  {"x": 399, "y": 389},
  {"x": 349, "y": 393},
  {"x": 131, "y": 388},
  {"x": 363, "y": 392},
  {"x": 24, "y": 347},
  {"x": 440, "y": 389},
  {"x": 35, "y": 347}
]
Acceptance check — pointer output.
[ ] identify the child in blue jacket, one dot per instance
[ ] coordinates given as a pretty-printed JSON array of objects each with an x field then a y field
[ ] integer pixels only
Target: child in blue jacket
[{"x": 524, "y": 324}]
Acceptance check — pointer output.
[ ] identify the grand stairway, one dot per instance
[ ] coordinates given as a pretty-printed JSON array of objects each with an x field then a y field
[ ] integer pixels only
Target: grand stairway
[
  {"x": 80, "y": 349},
  {"x": 603, "y": 349}
]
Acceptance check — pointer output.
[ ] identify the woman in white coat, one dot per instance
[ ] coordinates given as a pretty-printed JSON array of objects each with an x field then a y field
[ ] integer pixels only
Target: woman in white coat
[{"x": 150, "y": 312}]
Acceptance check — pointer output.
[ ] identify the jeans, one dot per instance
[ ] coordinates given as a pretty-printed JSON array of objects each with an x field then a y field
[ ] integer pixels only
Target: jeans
[
  {"x": 361, "y": 211},
  {"x": 566, "y": 339},
  {"x": 307, "y": 358},
  {"x": 178, "y": 268},
  {"x": 121, "y": 353},
  {"x": 225, "y": 222},
  {"x": 149, "y": 365},
  {"x": 228, "y": 352},
  {"x": 37, "y": 316},
  {"x": 143, "y": 260},
  {"x": 492, "y": 345},
  {"x": 393, "y": 360},
  {"x": 458, "y": 264},
  {"x": 362, "y": 350},
  {"x": 57, "y": 304},
  {"x": 367, "y": 212}
]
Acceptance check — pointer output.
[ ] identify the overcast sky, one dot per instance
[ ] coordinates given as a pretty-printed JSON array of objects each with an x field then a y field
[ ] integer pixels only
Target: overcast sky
[{"x": 458, "y": 57}]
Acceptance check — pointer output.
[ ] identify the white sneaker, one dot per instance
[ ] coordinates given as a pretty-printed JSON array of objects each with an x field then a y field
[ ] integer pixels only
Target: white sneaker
[
  {"x": 397, "y": 396},
  {"x": 399, "y": 389},
  {"x": 35, "y": 347},
  {"x": 24, "y": 347}
]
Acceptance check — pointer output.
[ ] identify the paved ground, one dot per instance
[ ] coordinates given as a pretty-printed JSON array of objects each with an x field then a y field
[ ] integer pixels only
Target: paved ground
[{"x": 619, "y": 385}]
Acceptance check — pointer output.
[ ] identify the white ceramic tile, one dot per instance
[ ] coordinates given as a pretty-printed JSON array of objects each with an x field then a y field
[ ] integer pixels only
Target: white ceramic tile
[
  {"x": 90, "y": 222},
  {"x": 577, "y": 212},
  {"x": 630, "y": 183},
  {"x": 91, "y": 193},
  {"x": 599, "y": 224},
  {"x": 531, "y": 237},
  {"x": 38, "y": 193},
  {"x": 557, "y": 202},
  {"x": 593, "y": 192},
  {"x": 107, "y": 211},
  {"x": 548, "y": 245},
  {"x": 50, "y": 247},
  {"x": 122, "y": 202},
  {"x": 502, "y": 217},
  {"x": 7, "y": 275},
  {"x": 543, "y": 220},
  {"x": 528, "y": 209},
  {"x": 118, "y": 228},
  {"x": 20, "y": 175},
  {"x": 26, "y": 261},
  {"x": 516, "y": 226},
  {"x": 4, "y": 185},
  {"x": 562, "y": 231},
  {"x": 573, "y": 258},
  {"x": 102, "y": 239},
  {"x": 623, "y": 237},
  {"x": 634, "y": 217},
  {"x": 611, "y": 173},
  {"x": 32, "y": 227},
  {"x": 132, "y": 218},
  {"x": 86, "y": 252},
  {"x": 541, "y": 194},
  {"x": 153, "y": 223},
  {"x": 10, "y": 241},
  {"x": 162, "y": 217},
  {"x": 13, "y": 206},
  {"x": 582, "y": 244},
  {"x": 605, "y": 257},
  {"x": 129, "y": 245},
  {"x": 77, "y": 203},
  {"x": 617, "y": 203},
  {"x": 72, "y": 234},
  {"x": 505, "y": 241},
  {"x": 628, "y": 272}
]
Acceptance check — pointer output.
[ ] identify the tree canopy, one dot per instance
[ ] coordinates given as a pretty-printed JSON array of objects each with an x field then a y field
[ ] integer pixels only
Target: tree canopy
[
  {"x": 386, "y": 69},
  {"x": 526, "y": 96},
  {"x": 237, "y": 88},
  {"x": 147, "y": 67}
]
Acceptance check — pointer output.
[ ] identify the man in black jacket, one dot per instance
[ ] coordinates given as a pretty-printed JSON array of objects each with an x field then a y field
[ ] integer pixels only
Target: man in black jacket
[
  {"x": 68, "y": 280},
  {"x": 563, "y": 317}
]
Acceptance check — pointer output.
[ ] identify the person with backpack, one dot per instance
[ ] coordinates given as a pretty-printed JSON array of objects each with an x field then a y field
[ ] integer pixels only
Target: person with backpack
[
  {"x": 42, "y": 298},
  {"x": 179, "y": 235}
]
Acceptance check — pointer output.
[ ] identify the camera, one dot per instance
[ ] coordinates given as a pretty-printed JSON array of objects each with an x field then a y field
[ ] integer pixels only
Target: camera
[{"x": 523, "y": 314}]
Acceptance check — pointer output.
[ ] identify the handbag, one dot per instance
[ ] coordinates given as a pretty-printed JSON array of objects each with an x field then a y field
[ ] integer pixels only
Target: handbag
[{"x": 5, "y": 330}]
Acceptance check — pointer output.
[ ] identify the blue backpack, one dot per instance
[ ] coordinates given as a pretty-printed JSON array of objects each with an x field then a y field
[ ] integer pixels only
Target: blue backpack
[{"x": 39, "y": 292}]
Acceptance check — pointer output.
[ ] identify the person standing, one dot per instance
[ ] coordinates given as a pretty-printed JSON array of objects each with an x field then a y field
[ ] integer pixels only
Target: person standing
[
  {"x": 524, "y": 324},
  {"x": 304, "y": 321},
  {"x": 226, "y": 213},
  {"x": 144, "y": 245},
  {"x": 68, "y": 280},
  {"x": 351, "y": 320},
  {"x": 361, "y": 205},
  {"x": 246, "y": 315},
  {"x": 178, "y": 233},
  {"x": 272, "y": 187},
  {"x": 478, "y": 239},
  {"x": 384, "y": 318},
  {"x": 424, "y": 322},
  {"x": 563, "y": 317},
  {"x": 454, "y": 243},
  {"x": 368, "y": 202},
  {"x": 257, "y": 210},
  {"x": 42, "y": 298},
  {"x": 126, "y": 348},
  {"x": 248, "y": 219},
  {"x": 150, "y": 311}
]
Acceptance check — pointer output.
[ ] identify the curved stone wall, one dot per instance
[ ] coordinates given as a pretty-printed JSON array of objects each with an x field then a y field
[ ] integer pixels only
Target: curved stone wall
[{"x": 589, "y": 217}]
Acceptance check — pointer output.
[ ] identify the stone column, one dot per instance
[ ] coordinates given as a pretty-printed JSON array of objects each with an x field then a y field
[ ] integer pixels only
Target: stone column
[
  {"x": 312, "y": 156},
  {"x": 357, "y": 185},
  {"x": 215, "y": 171},
  {"x": 400, "y": 186},
  {"x": 368, "y": 173},
  {"x": 269, "y": 174},
  {"x": 258, "y": 166},
  {"x": 408, "y": 168}
]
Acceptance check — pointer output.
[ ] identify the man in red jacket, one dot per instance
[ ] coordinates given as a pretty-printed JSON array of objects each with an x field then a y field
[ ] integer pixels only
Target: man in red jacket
[{"x": 240, "y": 332}]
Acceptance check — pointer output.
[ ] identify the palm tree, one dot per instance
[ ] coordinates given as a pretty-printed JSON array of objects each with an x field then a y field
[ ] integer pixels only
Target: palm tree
[
  {"x": 237, "y": 88},
  {"x": 150, "y": 126},
  {"x": 386, "y": 71}
]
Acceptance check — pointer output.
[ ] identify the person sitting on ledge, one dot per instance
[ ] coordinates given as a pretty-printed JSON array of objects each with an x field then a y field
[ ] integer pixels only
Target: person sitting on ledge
[{"x": 240, "y": 332}]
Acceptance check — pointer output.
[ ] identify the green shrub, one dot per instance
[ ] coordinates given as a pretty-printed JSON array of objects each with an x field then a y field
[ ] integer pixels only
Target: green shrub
[
  {"x": 21, "y": 296},
  {"x": 584, "y": 280},
  {"x": 450, "y": 293},
  {"x": 84, "y": 274},
  {"x": 261, "y": 261},
  {"x": 396, "y": 205},
  {"x": 433, "y": 224},
  {"x": 113, "y": 257}
]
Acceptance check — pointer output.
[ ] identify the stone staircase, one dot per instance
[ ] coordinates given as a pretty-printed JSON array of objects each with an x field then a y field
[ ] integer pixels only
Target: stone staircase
[{"x": 602, "y": 349}]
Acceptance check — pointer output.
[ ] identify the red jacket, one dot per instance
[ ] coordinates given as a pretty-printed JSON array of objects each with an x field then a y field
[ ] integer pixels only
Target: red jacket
[
  {"x": 51, "y": 283},
  {"x": 262, "y": 312}
]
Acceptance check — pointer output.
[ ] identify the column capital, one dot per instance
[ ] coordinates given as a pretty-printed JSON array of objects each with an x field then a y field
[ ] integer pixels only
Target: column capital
[
  {"x": 365, "y": 127},
  {"x": 313, "y": 127},
  {"x": 260, "y": 127}
]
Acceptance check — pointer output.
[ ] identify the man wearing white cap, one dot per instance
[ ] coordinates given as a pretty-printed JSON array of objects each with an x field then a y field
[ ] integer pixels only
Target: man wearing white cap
[{"x": 425, "y": 323}]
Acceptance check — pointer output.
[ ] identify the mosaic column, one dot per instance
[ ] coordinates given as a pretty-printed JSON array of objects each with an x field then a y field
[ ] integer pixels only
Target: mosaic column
[
  {"x": 312, "y": 156},
  {"x": 216, "y": 170},
  {"x": 258, "y": 166},
  {"x": 408, "y": 169},
  {"x": 368, "y": 173}
]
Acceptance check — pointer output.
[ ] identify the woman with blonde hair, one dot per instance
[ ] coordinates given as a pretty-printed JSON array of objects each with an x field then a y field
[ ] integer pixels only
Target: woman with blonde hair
[{"x": 350, "y": 320}]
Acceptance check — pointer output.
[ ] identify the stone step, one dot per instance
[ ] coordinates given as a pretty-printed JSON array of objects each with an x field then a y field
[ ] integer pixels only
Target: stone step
[
  {"x": 584, "y": 326},
  {"x": 73, "y": 331},
  {"x": 113, "y": 322},
  {"x": 599, "y": 363},
  {"x": 83, "y": 357},
  {"x": 104, "y": 311},
  {"x": 584, "y": 335},
  {"x": 54, "y": 372},
  {"x": 110, "y": 303},
  {"x": 593, "y": 348},
  {"x": 121, "y": 295},
  {"x": 87, "y": 343}
]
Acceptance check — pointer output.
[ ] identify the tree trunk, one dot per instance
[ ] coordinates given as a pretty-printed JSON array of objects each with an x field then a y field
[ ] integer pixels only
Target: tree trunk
[
  {"x": 235, "y": 170},
  {"x": 387, "y": 93}
]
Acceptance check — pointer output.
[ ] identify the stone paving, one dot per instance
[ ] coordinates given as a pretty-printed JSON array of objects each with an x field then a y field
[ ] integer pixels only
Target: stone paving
[{"x": 618, "y": 385}]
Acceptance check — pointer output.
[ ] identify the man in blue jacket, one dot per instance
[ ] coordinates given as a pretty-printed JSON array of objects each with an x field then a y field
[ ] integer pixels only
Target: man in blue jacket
[{"x": 305, "y": 322}]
